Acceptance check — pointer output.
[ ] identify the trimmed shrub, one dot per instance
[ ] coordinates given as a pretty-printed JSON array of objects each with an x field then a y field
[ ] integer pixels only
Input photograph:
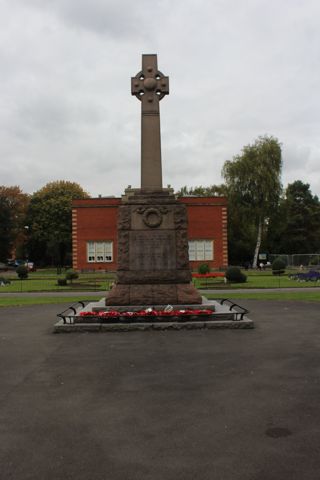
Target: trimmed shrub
[
  {"x": 62, "y": 282},
  {"x": 203, "y": 268},
  {"x": 22, "y": 272},
  {"x": 234, "y": 275},
  {"x": 314, "y": 261},
  {"x": 72, "y": 275},
  {"x": 278, "y": 266}
]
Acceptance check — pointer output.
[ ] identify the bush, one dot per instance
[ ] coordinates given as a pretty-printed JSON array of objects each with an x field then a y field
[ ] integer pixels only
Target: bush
[
  {"x": 62, "y": 282},
  {"x": 4, "y": 281},
  {"x": 234, "y": 275},
  {"x": 22, "y": 272},
  {"x": 203, "y": 268},
  {"x": 314, "y": 261},
  {"x": 71, "y": 275},
  {"x": 278, "y": 266}
]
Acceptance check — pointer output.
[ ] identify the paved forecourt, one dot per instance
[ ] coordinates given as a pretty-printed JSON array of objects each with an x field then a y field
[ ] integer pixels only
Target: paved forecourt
[{"x": 230, "y": 404}]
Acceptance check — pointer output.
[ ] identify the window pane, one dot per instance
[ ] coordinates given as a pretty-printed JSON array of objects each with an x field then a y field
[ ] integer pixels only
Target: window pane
[
  {"x": 100, "y": 251},
  {"x": 192, "y": 250},
  {"x": 208, "y": 250},
  {"x": 90, "y": 252},
  {"x": 200, "y": 250},
  {"x": 108, "y": 247}
]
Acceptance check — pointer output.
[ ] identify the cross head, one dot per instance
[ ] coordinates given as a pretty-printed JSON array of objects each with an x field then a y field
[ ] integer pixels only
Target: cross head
[{"x": 150, "y": 85}]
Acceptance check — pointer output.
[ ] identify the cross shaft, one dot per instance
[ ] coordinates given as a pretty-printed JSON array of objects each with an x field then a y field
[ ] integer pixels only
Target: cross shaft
[{"x": 150, "y": 86}]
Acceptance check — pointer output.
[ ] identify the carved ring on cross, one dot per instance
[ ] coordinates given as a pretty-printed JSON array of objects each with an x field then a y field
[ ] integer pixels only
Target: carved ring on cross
[{"x": 150, "y": 83}]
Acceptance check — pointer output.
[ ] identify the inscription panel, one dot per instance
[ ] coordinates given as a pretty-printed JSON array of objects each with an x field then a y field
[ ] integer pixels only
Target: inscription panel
[{"x": 152, "y": 250}]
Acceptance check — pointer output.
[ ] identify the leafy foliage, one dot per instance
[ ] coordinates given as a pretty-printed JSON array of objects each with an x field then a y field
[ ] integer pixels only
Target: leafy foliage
[
  {"x": 314, "y": 260},
  {"x": 254, "y": 188},
  {"x": 234, "y": 275},
  {"x": 203, "y": 268},
  {"x": 301, "y": 232},
  {"x": 13, "y": 206},
  {"x": 200, "y": 191},
  {"x": 71, "y": 275},
  {"x": 49, "y": 218},
  {"x": 278, "y": 266},
  {"x": 22, "y": 272}
]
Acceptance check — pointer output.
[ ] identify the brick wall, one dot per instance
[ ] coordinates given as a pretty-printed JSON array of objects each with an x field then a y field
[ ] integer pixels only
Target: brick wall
[
  {"x": 208, "y": 221},
  {"x": 95, "y": 219}
]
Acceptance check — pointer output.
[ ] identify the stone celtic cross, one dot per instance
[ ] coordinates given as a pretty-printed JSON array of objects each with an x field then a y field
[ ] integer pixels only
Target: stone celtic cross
[{"x": 150, "y": 86}]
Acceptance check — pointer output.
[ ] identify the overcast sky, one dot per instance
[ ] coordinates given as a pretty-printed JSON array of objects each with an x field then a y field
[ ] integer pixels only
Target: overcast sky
[{"x": 237, "y": 69}]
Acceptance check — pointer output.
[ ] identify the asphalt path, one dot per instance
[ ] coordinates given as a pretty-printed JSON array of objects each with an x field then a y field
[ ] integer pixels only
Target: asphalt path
[{"x": 173, "y": 405}]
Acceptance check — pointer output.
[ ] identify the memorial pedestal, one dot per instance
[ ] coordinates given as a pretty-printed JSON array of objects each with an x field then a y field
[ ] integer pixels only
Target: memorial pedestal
[{"x": 153, "y": 262}]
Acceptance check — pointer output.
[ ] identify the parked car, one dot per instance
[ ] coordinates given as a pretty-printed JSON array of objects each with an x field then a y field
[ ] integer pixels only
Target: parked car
[{"x": 12, "y": 264}]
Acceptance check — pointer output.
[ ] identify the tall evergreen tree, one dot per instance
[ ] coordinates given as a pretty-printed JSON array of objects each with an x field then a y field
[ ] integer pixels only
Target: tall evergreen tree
[{"x": 301, "y": 220}]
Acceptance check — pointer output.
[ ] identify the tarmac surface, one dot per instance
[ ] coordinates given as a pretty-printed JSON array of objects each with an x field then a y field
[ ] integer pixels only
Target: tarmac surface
[{"x": 169, "y": 405}]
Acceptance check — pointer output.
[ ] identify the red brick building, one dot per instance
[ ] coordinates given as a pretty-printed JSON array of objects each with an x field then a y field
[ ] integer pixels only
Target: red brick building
[{"x": 94, "y": 232}]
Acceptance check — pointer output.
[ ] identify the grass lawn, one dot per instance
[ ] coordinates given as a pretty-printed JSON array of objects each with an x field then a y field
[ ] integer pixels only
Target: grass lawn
[
  {"x": 304, "y": 296},
  {"x": 23, "y": 301},
  {"x": 256, "y": 279},
  {"x": 297, "y": 296},
  {"x": 47, "y": 281}
]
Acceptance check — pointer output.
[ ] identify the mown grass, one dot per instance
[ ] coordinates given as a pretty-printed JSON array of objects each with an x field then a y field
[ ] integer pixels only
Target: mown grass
[
  {"x": 256, "y": 279},
  {"x": 303, "y": 296},
  {"x": 25, "y": 301},
  {"x": 48, "y": 281}
]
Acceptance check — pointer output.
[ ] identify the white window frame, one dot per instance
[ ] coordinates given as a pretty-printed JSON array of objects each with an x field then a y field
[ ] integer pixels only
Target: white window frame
[
  {"x": 201, "y": 250},
  {"x": 99, "y": 251}
]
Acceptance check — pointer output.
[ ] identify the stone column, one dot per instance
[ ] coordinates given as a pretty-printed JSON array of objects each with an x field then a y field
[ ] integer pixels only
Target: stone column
[{"x": 150, "y": 86}]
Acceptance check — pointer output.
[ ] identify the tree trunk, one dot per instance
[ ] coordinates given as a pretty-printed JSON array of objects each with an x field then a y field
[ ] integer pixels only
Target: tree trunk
[{"x": 259, "y": 238}]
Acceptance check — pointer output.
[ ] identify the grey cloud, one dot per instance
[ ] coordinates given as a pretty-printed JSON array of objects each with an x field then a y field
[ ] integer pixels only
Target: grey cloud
[
  {"x": 114, "y": 18},
  {"x": 237, "y": 70}
]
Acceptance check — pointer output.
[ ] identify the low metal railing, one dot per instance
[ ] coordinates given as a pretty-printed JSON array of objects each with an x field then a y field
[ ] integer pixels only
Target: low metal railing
[
  {"x": 232, "y": 305},
  {"x": 68, "y": 315}
]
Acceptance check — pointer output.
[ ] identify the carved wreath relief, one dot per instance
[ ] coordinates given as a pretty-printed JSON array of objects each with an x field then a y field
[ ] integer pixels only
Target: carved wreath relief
[{"x": 152, "y": 216}]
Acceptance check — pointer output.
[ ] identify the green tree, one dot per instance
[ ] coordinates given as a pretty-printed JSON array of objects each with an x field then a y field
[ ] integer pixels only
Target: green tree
[
  {"x": 301, "y": 220},
  {"x": 253, "y": 180},
  {"x": 13, "y": 207},
  {"x": 49, "y": 219},
  {"x": 200, "y": 191}
]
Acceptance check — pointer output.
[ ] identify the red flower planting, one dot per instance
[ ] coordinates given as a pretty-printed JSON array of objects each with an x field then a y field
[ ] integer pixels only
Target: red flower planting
[{"x": 149, "y": 312}]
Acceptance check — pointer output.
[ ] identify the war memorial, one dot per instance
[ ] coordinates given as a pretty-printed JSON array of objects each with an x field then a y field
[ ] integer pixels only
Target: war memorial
[{"x": 153, "y": 287}]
